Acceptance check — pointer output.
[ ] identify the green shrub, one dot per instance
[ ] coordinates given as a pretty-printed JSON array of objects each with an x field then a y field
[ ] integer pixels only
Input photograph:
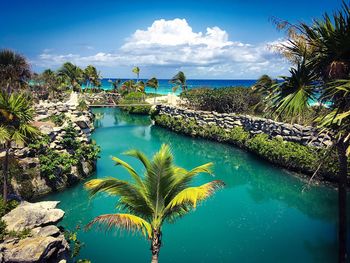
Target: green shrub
[
  {"x": 4, "y": 209},
  {"x": 59, "y": 119},
  {"x": 53, "y": 163},
  {"x": 291, "y": 155},
  {"x": 231, "y": 99}
]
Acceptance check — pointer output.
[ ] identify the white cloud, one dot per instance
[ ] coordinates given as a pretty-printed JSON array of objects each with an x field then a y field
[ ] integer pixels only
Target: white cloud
[{"x": 173, "y": 43}]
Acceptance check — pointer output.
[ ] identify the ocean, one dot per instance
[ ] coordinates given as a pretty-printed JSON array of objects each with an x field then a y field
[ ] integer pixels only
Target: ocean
[{"x": 165, "y": 87}]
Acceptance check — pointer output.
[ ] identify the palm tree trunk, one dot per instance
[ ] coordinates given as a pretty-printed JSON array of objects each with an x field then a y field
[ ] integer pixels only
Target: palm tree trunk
[
  {"x": 156, "y": 244},
  {"x": 5, "y": 172},
  {"x": 342, "y": 179}
]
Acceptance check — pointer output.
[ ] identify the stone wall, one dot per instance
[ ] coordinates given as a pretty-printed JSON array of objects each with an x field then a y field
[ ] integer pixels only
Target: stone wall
[{"x": 305, "y": 135}]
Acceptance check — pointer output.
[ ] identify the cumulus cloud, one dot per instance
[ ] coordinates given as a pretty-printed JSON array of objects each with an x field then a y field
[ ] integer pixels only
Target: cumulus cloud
[{"x": 173, "y": 43}]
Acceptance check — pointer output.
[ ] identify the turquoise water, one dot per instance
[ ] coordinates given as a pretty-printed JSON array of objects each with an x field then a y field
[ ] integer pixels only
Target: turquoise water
[
  {"x": 165, "y": 87},
  {"x": 261, "y": 216}
]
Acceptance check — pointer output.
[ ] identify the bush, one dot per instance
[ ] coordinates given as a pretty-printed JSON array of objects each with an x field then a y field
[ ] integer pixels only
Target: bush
[
  {"x": 58, "y": 119},
  {"x": 4, "y": 209},
  {"x": 229, "y": 100},
  {"x": 291, "y": 155}
]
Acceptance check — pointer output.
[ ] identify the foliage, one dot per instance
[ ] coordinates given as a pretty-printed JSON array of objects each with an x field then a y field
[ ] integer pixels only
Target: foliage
[
  {"x": 291, "y": 155},
  {"x": 180, "y": 81},
  {"x": 91, "y": 77},
  {"x": 4, "y": 209},
  {"x": 82, "y": 105},
  {"x": 73, "y": 74},
  {"x": 232, "y": 99},
  {"x": 53, "y": 163},
  {"x": 14, "y": 69},
  {"x": 59, "y": 119},
  {"x": 163, "y": 193}
]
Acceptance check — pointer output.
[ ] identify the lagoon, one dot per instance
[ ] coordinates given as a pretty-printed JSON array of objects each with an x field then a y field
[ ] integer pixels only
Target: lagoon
[{"x": 262, "y": 215}]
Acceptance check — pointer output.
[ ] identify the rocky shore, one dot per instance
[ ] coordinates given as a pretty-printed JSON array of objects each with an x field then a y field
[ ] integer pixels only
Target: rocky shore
[
  {"x": 304, "y": 135},
  {"x": 45, "y": 242},
  {"x": 53, "y": 120}
]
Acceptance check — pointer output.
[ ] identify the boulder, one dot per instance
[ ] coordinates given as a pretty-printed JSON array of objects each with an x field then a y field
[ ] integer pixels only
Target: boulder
[
  {"x": 30, "y": 215},
  {"x": 35, "y": 249}
]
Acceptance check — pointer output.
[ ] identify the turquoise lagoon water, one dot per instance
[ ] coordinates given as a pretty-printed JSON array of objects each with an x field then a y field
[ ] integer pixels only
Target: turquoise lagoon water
[
  {"x": 261, "y": 216},
  {"x": 165, "y": 87}
]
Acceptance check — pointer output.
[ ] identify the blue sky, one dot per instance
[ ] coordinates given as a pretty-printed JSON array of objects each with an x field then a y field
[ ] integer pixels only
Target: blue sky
[{"x": 206, "y": 39}]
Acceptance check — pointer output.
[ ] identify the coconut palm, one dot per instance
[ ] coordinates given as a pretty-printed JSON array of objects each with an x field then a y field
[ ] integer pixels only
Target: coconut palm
[
  {"x": 51, "y": 81},
  {"x": 16, "y": 114},
  {"x": 154, "y": 84},
  {"x": 329, "y": 39},
  {"x": 136, "y": 70},
  {"x": 14, "y": 69},
  {"x": 293, "y": 94},
  {"x": 180, "y": 80},
  {"x": 163, "y": 194},
  {"x": 73, "y": 74},
  {"x": 116, "y": 84}
]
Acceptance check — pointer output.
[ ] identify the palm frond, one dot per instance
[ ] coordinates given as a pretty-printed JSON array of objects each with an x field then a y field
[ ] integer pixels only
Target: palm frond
[
  {"x": 4, "y": 134},
  {"x": 122, "y": 221},
  {"x": 140, "y": 156},
  {"x": 193, "y": 195},
  {"x": 130, "y": 170}
]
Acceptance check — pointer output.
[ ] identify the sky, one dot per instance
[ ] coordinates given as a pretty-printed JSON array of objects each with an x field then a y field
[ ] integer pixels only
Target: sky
[{"x": 215, "y": 39}]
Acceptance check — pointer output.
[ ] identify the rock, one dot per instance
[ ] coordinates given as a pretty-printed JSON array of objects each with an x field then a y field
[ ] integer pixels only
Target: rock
[
  {"x": 35, "y": 249},
  {"x": 30, "y": 215},
  {"x": 46, "y": 231}
]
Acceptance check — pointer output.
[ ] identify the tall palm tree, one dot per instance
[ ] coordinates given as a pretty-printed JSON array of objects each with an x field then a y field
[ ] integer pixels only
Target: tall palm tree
[
  {"x": 162, "y": 194},
  {"x": 136, "y": 70},
  {"x": 154, "y": 84},
  {"x": 16, "y": 114},
  {"x": 51, "y": 81},
  {"x": 180, "y": 80},
  {"x": 14, "y": 69},
  {"x": 329, "y": 40},
  {"x": 73, "y": 74},
  {"x": 116, "y": 84}
]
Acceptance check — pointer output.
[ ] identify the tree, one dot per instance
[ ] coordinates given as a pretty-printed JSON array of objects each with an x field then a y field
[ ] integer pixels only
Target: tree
[
  {"x": 180, "y": 80},
  {"x": 136, "y": 70},
  {"x": 73, "y": 74},
  {"x": 16, "y": 114},
  {"x": 154, "y": 84},
  {"x": 162, "y": 194},
  {"x": 51, "y": 81},
  {"x": 14, "y": 69},
  {"x": 325, "y": 52},
  {"x": 264, "y": 85},
  {"x": 116, "y": 84},
  {"x": 92, "y": 77}
]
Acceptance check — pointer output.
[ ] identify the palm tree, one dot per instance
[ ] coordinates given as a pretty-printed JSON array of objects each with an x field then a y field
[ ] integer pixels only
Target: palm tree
[
  {"x": 329, "y": 40},
  {"x": 14, "y": 69},
  {"x": 73, "y": 74},
  {"x": 264, "y": 85},
  {"x": 116, "y": 84},
  {"x": 162, "y": 194},
  {"x": 154, "y": 84},
  {"x": 293, "y": 94},
  {"x": 51, "y": 81},
  {"x": 16, "y": 114},
  {"x": 136, "y": 70},
  {"x": 180, "y": 80}
]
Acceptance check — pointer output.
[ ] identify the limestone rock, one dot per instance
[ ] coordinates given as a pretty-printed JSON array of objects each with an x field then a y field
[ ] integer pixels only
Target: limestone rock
[{"x": 30, "y": 215}]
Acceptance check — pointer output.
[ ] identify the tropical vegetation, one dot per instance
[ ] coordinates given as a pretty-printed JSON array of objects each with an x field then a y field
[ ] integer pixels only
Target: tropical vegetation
[
  {"x": 16, "y": 115},
  {"x": 321, "y": 56},
  {"x": 162, "y": 194}
]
